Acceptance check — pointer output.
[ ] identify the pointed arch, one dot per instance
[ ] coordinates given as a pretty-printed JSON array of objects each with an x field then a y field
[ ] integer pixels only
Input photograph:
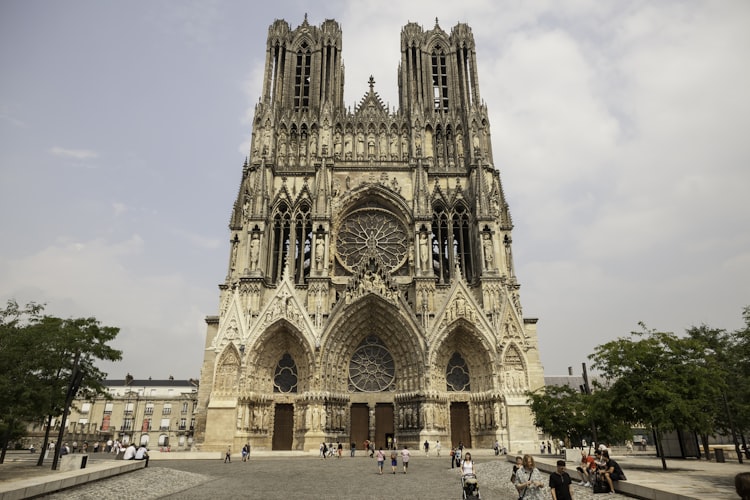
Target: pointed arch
[
  {"x": 351, "y": 324},
  {"x": 267, "y": 357},
  {"x": 227, "y": 371}
]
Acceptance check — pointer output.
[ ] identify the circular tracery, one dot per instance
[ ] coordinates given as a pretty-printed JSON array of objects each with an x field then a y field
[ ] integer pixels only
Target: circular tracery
[
  {"x": 368, "y": 233},
  {"x": 371, "y": 368}
]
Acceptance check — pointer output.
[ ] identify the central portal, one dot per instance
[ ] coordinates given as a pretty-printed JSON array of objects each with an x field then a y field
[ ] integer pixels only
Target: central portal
[
  {"x": 383, "y": 424},
  {"x": 360, "y": 424},
  {"x": 460, "y": 428}
]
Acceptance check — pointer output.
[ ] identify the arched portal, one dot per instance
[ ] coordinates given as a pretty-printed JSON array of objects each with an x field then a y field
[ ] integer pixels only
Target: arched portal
[
  {"x": 463, "y": 367},
  {"x": 372, "y": 353}
]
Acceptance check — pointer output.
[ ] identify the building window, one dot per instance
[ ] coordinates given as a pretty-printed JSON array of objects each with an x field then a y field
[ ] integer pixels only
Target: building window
[
  {"x": 108, "y": 408},
  {"x": 457, "y": 374},
  {"x": 302, "y": 243},
  {"x": 371, "y": 368},
  {"x": 462, "y": 241},
  {"x": 127, "y": 424},
  {"x": 129, "y": 408},
  {"x": 85, "y": 408},
  {"x": 164, "y": 426},
  {"x": 280, "y": 244},
  {"x": 452, "y": 242},
  {"x": 439, "y": 80},
  {"x": 183, "y": 424},
  {"x": 167, "y": 410},
  {"x": 149, "y": 408},
  {"x": 285, "y": 378},
  {"x": 302, "y": 79},
  {"x": 184, "y": 407}
]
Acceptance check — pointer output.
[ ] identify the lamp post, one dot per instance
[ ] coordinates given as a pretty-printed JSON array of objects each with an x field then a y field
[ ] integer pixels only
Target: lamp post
[
  {"x": 587, "y": 390},
  {"x": 128, "y": 383},
  {"x": 76, "y": 377}
]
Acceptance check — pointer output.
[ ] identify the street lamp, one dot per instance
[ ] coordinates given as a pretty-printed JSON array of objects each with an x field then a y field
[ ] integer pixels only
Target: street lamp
[{"x": 76, "y": 377}]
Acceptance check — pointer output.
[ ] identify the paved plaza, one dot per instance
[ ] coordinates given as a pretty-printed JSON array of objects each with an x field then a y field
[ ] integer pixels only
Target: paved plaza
[{"x": 302, "y": 477}]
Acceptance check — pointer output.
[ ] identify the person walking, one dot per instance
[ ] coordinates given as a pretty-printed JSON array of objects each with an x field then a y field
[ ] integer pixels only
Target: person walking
[
  {"x": 437, "y": 448},
  {"x": 405, "y": 455},
  {"x": 467, "y": 467},
  {"x": 381, "y": 458},
  {"x": 394, "y": 461},
  {"x": 529, "y": 480},
  {"x": 228, "y": 455},
  {"x": 560, "y": 483}
]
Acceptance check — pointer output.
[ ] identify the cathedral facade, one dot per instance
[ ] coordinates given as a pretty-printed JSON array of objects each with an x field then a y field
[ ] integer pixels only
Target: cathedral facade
[{"x": 370, "y": 292}]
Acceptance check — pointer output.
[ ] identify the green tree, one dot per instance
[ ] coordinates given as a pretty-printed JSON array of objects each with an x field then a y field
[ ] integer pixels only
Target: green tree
[
  {"x": 18, "y": 394},
  {"x": 734, "y": 417},
  {"x": 656, "y": 378},
  {"x": 738, "y": 392},
  {"x": 46, "y": 356},
  {"x": 561, "y": 412}
]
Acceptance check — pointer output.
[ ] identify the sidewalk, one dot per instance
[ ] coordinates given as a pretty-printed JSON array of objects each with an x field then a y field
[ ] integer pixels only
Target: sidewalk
[
  {"x": 683, "y": 480},
  {"x": 20, "y": 477}
]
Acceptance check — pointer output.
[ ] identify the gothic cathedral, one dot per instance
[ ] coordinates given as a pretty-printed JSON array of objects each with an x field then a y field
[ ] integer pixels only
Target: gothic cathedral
[{"x": 371, "y": 292}]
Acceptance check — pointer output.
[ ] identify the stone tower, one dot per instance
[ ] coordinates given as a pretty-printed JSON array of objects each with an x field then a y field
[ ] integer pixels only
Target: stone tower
[{"x": 370, "y": 292}]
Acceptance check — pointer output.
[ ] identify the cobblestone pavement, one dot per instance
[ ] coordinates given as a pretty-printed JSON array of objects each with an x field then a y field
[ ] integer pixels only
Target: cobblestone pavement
[{"x": 303, "y": 478}]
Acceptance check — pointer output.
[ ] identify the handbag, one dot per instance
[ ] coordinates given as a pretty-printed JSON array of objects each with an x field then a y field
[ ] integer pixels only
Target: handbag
[{"x": 520, "y": 497}]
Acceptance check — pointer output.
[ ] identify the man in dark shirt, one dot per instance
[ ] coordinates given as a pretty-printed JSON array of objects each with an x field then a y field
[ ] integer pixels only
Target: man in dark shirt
[
  {"x": 612, "y": 471},
  {"x": 560, "y": 483}
]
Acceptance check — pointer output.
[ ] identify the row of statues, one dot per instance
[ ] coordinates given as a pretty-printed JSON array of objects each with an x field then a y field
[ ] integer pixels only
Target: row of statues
[{"x": 302, "y": 148}]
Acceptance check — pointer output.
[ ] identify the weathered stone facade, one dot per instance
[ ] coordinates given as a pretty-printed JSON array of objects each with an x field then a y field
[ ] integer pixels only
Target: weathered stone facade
[{"x": 371, "y": 291}]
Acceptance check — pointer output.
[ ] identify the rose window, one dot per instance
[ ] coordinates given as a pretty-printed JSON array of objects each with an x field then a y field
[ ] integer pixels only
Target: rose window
[
  {"x": 370, "y": 232},
  {"x": 371, "y": 368}
]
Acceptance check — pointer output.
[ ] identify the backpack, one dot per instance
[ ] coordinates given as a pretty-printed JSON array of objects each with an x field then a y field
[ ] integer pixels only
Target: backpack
[{"x": 601, "y": 486}]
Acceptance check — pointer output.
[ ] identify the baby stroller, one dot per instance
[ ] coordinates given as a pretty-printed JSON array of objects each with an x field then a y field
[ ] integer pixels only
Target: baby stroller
[{"x": 469, "y": 486}]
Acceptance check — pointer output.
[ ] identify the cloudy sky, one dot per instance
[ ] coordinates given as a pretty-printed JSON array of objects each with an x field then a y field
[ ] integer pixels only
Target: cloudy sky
[{"x": 621, "y": 130}]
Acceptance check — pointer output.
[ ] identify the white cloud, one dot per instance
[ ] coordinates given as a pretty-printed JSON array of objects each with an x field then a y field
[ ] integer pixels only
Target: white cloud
[
  {"x": 78, "y": 154},
  {"x": 107, "y": 279},
  {"x": 119, "y": 208}
]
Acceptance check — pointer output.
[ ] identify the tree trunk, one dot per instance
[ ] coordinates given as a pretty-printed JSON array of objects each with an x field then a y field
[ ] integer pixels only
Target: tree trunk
[
  {"x": 659, "y": 448},
  {"x": 704, "y": 440},
  {"x": 40, "y": 462},
  {"x": 11, "y": 423}
]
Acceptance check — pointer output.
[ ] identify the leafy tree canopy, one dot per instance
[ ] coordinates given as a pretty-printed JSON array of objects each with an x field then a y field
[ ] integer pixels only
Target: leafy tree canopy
[{"x": 37, "y": 353}]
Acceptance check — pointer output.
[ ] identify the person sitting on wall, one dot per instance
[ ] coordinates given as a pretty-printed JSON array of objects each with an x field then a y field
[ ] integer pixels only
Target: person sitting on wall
[
  {"x": 612, "y": 471},
  {"x": 587, "y": 469},
  {"x": 129, "y": 452},
  {"x": 142, "y": 454}
]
